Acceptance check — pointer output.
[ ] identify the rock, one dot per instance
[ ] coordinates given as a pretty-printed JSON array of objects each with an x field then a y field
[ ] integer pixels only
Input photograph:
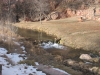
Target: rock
[
  {"x": 94, "y": 69},
  {"x": 69, "y": 12},
  {"x": 99, "y": 71},
  {"x": 54, "y": 15},
  {"x": 69, "y": 62},
  {"x": 96, "y": 60},
  {"x": 85, "y": 57},
  {"x": 63, "y": 15},
  {"x": 59, "y": 58},
  {"x": 98, "y": 19},
  {"x": 81, "y": 63}
]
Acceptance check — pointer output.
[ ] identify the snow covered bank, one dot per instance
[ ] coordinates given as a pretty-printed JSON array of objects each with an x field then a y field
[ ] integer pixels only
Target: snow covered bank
[
  {"x": 17, "y": 69},
  {"x": 21, "y": 69}
]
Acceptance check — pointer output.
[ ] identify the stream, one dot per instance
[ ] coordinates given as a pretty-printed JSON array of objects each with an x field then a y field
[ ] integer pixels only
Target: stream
[
  {"x": 63, "y": 51},
  {"x": 34, "y": 35}
]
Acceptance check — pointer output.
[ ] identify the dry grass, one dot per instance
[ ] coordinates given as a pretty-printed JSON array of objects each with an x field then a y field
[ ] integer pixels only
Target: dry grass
[
  {"x": 73, "y": 33},
  {"x": 28, "y": 62},
  {"x": 8, "y": 39}
]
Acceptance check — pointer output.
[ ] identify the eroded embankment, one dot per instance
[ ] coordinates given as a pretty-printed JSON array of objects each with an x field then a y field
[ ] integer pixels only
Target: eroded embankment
[{"x": 85, "y": 35}]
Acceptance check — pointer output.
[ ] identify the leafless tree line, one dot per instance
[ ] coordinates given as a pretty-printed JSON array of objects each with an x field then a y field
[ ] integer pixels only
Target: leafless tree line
[
  {"x": 76, "y": 4},
  {"x": 35, "y": 9},
  {"x": 30, "y": 8}
]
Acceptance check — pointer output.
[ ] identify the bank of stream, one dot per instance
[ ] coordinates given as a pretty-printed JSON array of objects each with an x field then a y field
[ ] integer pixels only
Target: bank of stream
[{"x": 60, "y": 56}]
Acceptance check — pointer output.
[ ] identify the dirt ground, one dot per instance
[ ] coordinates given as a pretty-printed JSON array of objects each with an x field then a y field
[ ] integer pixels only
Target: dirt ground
[{"x": 84, "y": 35}]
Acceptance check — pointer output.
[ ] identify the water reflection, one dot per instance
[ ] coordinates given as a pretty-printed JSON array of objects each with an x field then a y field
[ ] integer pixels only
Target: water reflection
[{"x": 34, "y": 35}]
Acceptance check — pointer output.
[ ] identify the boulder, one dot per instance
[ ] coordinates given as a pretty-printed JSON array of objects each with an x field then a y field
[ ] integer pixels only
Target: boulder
[
  {"x": 54, "y": 15},
  {"x": 63, "y": 15},
  {"x": 98, "y": 19},
  {"x": 70, "y": 12},
  {"x": 69, "y": 62},
  {"x": 96, "y": 60},
  {"x": 94, "y": 69},
  {"x": 85, "y": 57},
  {"x": 99, "y": 71}
]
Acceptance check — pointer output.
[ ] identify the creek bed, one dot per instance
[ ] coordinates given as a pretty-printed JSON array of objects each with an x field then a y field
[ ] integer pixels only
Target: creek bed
[{"x": 66, "y": 53}]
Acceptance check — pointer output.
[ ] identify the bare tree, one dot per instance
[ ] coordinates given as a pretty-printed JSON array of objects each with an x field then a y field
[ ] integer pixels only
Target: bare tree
[{"x": 41, "y": 8}]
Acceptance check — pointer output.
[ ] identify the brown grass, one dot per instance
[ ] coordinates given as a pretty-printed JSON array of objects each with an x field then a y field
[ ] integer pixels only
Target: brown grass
[
  {"x": 75, "y": 34},
  {"x": 28, "y": 62}
]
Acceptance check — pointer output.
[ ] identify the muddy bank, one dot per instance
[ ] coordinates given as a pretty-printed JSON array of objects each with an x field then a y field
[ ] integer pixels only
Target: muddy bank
[{"x": 84, "y": 35}]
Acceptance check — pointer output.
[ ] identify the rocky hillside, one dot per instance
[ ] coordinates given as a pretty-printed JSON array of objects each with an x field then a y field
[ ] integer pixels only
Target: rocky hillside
[{"x": 31, "y": 10}]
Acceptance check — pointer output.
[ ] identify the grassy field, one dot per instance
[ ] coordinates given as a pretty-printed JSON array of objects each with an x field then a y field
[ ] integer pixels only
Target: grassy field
[{"x": 73, "y": 33}]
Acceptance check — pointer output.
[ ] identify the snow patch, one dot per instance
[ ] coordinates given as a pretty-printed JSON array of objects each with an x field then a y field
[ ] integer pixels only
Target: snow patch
[
  {"x": 51, "y": 45},
  {"x": 14, "y": 57},
  {"x": 36, "y": 63},
  {"x": 21, "y": 69},
  {"x": 3, "y": 51},
  {"x": 18, "y": 69},
  {"x": 3, "y": 61},
  {"x": 23, "y": 47}
]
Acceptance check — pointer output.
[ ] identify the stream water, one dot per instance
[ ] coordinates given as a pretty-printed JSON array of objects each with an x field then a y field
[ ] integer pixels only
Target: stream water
[
  {"x": 31, "y": 35},
  {"x": 34, "y": 35}
]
